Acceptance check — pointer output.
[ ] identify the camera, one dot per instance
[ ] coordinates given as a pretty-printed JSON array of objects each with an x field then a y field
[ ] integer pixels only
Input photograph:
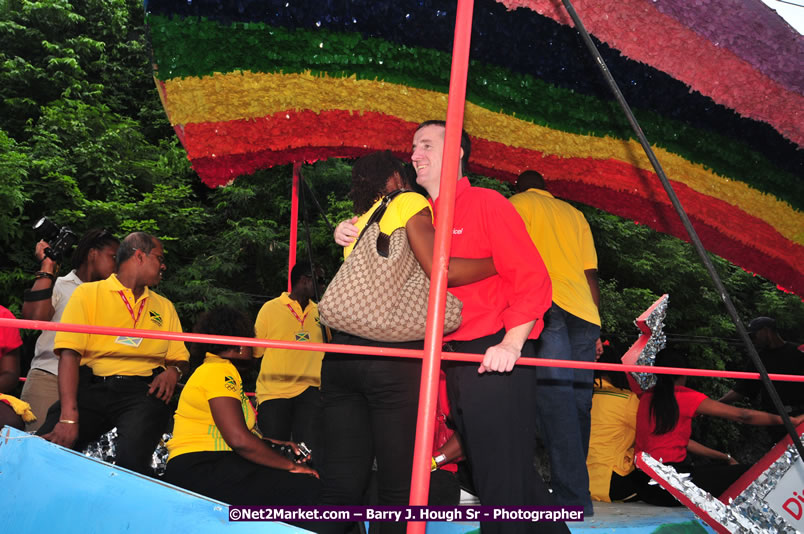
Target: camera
[
  {"x": 287, "y": 451},
  {"x": 61, "y": 240}
]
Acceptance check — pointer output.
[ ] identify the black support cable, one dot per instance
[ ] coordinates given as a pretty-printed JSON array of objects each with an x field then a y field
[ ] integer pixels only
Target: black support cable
[
  {"x": 303, "y": 206},
  {"x": 317, "y": 205},
  {"x": 699, "y": 248}
]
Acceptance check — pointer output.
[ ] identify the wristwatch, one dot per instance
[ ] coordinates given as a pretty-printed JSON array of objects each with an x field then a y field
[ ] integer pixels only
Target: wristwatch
[{"x": 178, "y": 370}]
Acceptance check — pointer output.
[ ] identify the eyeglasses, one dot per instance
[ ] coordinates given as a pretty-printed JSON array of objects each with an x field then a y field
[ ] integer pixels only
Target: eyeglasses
[{"x": 160, "y": 259}]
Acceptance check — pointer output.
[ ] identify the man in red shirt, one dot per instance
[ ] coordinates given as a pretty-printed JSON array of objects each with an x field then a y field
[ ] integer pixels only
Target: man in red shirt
[{"x": 492, "y": 404}]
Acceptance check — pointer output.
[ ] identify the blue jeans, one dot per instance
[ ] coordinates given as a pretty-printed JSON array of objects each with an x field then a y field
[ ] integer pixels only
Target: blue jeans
[{"x": 564, "y": 401}]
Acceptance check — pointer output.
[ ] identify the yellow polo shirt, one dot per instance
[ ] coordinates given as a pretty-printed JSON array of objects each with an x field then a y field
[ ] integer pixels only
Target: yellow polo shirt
[
  {"x": 101, "y": 304},
  {"x": 564, "y": 240},
  {"x": 286, "y": 373},
  {"x": 611, "y": 442},
  {"x": 194, "y": 429},
  {"x": 396, "y": 214}
]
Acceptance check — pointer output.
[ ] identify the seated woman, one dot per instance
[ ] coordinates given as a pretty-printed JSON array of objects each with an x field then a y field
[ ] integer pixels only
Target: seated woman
[
  {"x": 214, "y": 451},
  {"x": 370, "y": 403},
  {"x": 664, "y": 422},
  {"x": 13, "y": 412},
  {"x": 610, "y": 461}
]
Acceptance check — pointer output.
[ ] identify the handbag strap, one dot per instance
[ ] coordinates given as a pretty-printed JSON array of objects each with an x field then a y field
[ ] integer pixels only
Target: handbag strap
[{"x": 376, "y": 217}]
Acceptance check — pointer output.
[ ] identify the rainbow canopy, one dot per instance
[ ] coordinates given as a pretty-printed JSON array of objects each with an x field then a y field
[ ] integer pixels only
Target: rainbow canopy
[{"x": 717, "y": 85}]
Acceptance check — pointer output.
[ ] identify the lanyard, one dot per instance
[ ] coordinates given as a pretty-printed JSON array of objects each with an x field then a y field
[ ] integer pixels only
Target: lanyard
[
  {"x": 131, "y": 311},
  {"x": 296, "y": 315}
]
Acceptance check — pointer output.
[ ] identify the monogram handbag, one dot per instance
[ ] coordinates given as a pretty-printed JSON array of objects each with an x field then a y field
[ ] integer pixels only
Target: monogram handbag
[{"x": 381, "y": 292}]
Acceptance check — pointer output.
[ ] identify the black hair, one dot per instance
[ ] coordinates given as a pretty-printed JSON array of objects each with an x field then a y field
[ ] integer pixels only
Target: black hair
[
  {"x": 370, "y": 174},
  {"x": 97, "y": 238},
  {"x": 466, "y": 143},
  {"x": 221, "y": 321},
  {"x": 530, "y": 180},
  {"x": 302, "y": 268},
  {"x": 132, "y": 242},
  {"x": 617, "y": 378},
  {"x": 663, "y": 405}
]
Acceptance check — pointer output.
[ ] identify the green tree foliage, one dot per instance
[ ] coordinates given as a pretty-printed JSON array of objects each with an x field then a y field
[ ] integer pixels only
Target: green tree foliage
[{"x": 84, "y": 140}]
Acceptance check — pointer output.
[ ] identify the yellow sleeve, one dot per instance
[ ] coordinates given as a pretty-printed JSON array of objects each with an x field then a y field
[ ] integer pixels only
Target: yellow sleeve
[
  {"x": 217, "y": 384},
  {"x": 74, "y": 313},
  {"x": 401, "y": 209},
  {"x": 396, "y": 215},
  {"x": 262, "y": 326},
  {"x": 588, "y": 252},
  {"x": 177, "y": 351}
]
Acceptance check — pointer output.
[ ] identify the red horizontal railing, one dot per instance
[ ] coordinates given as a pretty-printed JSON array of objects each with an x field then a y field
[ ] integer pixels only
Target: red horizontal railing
[{"x": 376, "y": 351}]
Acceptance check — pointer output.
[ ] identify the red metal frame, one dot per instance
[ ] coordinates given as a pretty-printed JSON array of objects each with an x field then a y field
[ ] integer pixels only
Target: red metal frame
[
  {"x": 374, "y": 351},
  {"x": 294, "y": 220},
  {"x": 431, "y": 362}
]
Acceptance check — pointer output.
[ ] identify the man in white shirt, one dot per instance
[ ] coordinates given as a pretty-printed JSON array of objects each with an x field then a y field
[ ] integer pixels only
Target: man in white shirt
[{"x": 94, "y": 259}]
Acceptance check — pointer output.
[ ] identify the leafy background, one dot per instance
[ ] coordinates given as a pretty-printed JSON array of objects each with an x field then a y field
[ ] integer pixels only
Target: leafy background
[{"x": 84, "y": 140}]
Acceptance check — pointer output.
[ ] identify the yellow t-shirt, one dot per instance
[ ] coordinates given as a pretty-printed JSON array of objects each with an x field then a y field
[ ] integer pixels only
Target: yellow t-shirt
[
  {"x": 194, "y": 428},
  {"x": 564, "y": 240},
  {"x": 611, "y": 442},
  {"x": 396, "y": 216},
  {"x": 286, "y": 373},
  {"x": 100, "y": 304}
]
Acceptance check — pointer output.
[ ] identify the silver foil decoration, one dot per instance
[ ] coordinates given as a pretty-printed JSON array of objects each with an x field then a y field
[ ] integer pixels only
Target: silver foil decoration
[
  {"x": 751, "y": 503},
  {"x": 748, "y": 513},
  {"x": 656, "y": 342},
  {"x": 105, "y": 449}
]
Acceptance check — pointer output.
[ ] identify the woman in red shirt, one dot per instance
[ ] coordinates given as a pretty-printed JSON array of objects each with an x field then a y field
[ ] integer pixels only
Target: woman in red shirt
[{"x": 664, "y": 426}]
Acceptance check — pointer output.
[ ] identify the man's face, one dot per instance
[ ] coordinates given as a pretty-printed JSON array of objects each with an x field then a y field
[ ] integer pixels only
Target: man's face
[
  {"x": 153, "y": 265},
  {"x": 428, "y": 149},
  {"x": 306, "y": 288},
  {"x": 101, "y": 262},
  {"x": 760, "y": 338}
]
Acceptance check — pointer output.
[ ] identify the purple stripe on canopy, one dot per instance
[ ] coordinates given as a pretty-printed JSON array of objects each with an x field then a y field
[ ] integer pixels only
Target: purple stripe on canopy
[{"x": 771, "y": 45}]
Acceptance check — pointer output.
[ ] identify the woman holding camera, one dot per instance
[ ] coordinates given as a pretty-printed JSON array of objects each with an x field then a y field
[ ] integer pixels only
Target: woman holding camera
[{"x": 214, "y": 451}]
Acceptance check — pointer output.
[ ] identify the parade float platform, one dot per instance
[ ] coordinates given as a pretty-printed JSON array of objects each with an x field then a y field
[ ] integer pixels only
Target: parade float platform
[{"x": 47, "y": 488}]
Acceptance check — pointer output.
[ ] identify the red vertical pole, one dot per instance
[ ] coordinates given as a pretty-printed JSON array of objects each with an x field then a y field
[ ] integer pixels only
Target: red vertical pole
[
  {"x": 294, "y": 220},
  {"x": 431, "y": 363}
]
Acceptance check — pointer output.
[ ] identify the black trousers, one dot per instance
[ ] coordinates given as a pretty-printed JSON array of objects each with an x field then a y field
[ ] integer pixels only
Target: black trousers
[
  {"x": 141, "y": 419},
  {"x": 370, "y": 411},
  {"x": 297, "y": 418},
  {"x": 495, "y": 415},
  {"x": 228, "y": 477}
]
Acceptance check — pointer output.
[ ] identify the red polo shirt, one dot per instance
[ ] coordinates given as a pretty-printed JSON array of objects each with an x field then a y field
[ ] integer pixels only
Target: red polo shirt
[
  {"x": 9, "y": 336},
  {"x": 672, "y": 446},
  {"x": 486, "y": 224}
]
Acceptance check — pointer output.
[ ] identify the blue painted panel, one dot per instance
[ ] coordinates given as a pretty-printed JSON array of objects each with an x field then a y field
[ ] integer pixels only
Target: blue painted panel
[{"x": 47, "y": 488}]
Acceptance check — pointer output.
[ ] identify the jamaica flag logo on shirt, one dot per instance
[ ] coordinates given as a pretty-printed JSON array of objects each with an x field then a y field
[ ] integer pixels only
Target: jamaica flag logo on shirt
[
  {"x": 230, "y": 383},
  {"x": 303, "y": 336},
  {"x": 155, "y": 318}
]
